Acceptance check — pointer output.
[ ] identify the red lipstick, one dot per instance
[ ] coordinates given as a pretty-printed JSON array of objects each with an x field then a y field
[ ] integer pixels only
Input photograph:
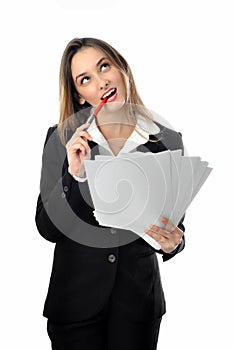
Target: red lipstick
[{"x": 108, "y": 94}]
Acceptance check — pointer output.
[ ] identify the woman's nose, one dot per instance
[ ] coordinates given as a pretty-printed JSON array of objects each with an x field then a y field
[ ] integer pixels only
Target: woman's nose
[{"x": 103, "y": 83}]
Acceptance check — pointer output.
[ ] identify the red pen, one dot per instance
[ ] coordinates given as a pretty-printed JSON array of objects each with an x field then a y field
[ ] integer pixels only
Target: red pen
[{"x": 100, "y": 105}]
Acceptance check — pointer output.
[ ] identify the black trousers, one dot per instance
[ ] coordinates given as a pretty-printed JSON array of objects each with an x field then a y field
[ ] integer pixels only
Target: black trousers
[{"x": 105, "y": 333}]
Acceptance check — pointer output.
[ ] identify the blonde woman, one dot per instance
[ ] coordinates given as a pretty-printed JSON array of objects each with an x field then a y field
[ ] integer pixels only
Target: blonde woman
[{"x": 105, "y": 290}]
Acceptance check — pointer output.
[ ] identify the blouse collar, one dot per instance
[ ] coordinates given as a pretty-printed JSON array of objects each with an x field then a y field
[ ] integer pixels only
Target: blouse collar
[{"x": 143, "y": 125}]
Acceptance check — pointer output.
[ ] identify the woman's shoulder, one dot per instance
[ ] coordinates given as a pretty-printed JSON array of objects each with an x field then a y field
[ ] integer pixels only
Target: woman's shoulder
[
  {"x": 167, "y": 130},
  {"x": 50, "y": 131},
  {"x": 53, "y": 128},
  {"x": 171, "y": 138}
]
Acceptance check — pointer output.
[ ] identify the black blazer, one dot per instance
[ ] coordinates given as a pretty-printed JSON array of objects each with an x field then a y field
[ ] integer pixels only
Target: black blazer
[{"x": 85, "y": 277}]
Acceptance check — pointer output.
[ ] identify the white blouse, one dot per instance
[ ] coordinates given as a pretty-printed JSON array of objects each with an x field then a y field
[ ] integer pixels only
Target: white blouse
[{"x": 143, "y": 125}]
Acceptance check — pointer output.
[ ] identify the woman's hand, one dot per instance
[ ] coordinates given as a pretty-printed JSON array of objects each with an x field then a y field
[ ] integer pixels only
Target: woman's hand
[
  {"x": 78, "y": 150},
  {"x": 169, "y": 237}
]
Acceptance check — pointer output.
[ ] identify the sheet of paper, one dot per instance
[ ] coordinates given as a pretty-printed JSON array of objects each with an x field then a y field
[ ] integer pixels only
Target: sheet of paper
[
  {"x": 185, "y": 188},
  {"x": 131, "y": 191}
]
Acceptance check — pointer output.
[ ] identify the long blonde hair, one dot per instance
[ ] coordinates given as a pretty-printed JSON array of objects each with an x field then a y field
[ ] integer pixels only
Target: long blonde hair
[{"x": 70, "y": 108}]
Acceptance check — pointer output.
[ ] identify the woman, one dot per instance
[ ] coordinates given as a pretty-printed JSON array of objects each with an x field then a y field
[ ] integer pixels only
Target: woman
[{"x": 105, "y": 290}]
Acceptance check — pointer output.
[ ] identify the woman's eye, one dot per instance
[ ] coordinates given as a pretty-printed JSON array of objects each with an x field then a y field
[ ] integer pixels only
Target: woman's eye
[
  {"x": 84, "y": 80},
  {"x": 104, "y": 66}
]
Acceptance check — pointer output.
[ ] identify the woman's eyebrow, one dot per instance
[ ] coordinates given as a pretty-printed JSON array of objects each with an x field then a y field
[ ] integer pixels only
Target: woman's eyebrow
[{"x": 84, "y": 73}]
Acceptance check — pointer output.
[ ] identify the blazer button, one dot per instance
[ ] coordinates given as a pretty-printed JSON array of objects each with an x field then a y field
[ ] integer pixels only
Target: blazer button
[
  {"x": 111, "y": 258},
  {"x": 113, "y": 230},
  {"x": 65, "y": 188}
]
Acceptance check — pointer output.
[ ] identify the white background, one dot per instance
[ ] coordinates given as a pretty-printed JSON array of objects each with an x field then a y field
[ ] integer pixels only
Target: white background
[{"x": 181, "y": 56}]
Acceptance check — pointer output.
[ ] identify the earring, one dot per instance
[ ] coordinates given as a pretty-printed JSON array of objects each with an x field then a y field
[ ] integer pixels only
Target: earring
[{"x": 81, "y": 101}]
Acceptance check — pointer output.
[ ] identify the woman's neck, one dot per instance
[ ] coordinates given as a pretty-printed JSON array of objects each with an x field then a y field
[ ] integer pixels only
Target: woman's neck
[{"x": 114, "y": 125}]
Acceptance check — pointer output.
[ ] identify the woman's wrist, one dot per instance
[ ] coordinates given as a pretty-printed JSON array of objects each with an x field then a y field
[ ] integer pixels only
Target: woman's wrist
[{"x": 80, "y": 174}]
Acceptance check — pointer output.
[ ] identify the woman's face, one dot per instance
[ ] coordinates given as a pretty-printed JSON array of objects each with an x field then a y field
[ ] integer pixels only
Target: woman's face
[{"x": 95, "y": 75}]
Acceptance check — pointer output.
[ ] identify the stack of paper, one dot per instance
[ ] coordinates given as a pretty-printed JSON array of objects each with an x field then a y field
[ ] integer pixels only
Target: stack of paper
[{"x": 133, "y": 190}]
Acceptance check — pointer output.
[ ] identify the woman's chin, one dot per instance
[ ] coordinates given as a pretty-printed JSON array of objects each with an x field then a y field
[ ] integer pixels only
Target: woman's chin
[{"x": 113, "y": 107}]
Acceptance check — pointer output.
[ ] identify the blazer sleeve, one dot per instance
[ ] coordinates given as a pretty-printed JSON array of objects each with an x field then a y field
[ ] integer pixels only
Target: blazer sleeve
[{"x": 63, "y": 204}]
